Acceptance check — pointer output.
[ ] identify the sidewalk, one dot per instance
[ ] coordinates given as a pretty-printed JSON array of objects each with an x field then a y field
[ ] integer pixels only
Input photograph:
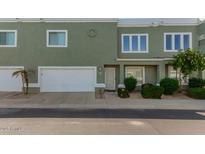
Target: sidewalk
[{"x": 87, "y": 101}]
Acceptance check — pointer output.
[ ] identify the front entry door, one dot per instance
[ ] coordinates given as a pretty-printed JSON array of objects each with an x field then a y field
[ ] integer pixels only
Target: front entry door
[{"x": 110, "y": 78}]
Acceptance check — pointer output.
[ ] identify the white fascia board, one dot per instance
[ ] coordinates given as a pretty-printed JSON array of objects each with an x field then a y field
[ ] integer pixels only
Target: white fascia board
[
  {"x": 11, "y": 67},
  {"x": 145, "y": 59},
  {"x": 82, "y": 20},
  {"x": 58, "y": 20},
  {"x": 151, "y": 25}
]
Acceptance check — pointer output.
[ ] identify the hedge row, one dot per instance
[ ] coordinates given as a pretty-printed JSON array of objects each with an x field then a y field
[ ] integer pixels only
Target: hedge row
[
  {"x": 167, "y": 86},
  {"x": 197, "y": 93}
]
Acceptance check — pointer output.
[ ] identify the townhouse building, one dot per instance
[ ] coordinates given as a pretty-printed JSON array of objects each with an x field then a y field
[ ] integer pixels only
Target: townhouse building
[{"x": 82, "y": 55}]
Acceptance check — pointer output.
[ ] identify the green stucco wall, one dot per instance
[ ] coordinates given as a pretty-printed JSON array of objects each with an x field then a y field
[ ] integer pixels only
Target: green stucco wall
[
  {"x": 201, "y": 28},
  {"x": 82, "y": 50},
  {"x": 200, "y": 31},
  {"x": 156, "y": 40},
  {"x": 151, "y": 74}
]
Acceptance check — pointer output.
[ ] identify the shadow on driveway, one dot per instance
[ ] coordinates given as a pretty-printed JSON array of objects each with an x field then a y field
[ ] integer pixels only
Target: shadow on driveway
[{"x": 102, "y": 113}]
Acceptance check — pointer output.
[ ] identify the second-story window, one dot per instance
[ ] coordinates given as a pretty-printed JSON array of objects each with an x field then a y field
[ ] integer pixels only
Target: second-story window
[
  {"x": 173, "y": 42},
  {"x": 8, "y": 38},
  {"x": 134, "y": 43},
  {"x": 56, "y": 38}
]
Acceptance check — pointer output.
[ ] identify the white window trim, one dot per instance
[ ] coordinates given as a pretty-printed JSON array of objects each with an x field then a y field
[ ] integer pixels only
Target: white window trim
[
  {"x": 143, "y": 70},
  {"x": 181, "y": 40},
  {"x": 57, "y": 46},
  {"x": 130, "y": 41},
  {"x": 15, "y": 37}
]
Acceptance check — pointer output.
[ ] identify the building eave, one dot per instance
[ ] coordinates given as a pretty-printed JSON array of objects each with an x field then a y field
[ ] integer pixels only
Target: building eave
[
  {"x": 58, "y": 20},
  {"x": 150, "y": 25},
  {"x": 144, "y": 59}
]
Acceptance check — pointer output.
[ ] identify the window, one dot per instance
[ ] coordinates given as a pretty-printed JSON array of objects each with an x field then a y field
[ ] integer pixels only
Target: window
[
  {"x": 8, "y": 38},
  {"x": 176, "y": 74},
  {"x": 57, "y": 38},
  {"x": 173, "y": 42},
  {"x": 134, "y": 43},
  {"x": 138, "y": 72}
]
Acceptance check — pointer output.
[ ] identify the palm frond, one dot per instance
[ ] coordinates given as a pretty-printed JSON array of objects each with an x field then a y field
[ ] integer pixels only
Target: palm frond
[
  {"x": 25, "y": 78},
  {"x": 17, "y": 73}
]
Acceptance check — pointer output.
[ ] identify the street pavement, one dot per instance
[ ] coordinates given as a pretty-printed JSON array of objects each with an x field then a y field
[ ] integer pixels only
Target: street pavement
[
  {"x": 81, "y": 113},
  {"x": 102, "y": 113},
  {"x": 101, "y": 122},
  {"x": 100, "y": 126}
]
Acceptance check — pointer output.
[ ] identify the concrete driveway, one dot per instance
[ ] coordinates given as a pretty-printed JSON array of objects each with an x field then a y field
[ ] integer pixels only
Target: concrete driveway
[
  {"x": 45, "y": 100},
  {"x": 87, "y": 101}
]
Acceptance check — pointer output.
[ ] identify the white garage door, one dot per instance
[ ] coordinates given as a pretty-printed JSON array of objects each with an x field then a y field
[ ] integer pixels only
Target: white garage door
[
  {"x": 67, "y": 79},
  {"x": 7, "y": 82}
]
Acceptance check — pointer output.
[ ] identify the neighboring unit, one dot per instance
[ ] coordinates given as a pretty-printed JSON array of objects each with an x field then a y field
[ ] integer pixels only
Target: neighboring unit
[{"x": 85, "y": 55}]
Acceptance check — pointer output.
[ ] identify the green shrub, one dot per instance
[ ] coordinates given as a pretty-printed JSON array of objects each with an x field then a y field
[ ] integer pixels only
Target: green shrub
[
  {"x": 196, "y": 82},
  {"x": 147, "y": 85},
  {"x": 123, "y": 93},
  {"x": 151, "y": 91},
  {"x": 169, "y": 85},
  {"x": 198, "y": 93},
  {"x": 130, "y": 83}
]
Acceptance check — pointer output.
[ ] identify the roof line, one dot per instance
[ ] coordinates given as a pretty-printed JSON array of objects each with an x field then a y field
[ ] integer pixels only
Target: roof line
[
  {"x": 63, "y": 20},
  {"x": 156, "y": 25},
  {"x": 58, "y": 20},
  {"x": 144, "y": 59}
]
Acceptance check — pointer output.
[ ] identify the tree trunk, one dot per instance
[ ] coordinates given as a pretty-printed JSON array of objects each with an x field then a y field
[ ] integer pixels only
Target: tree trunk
[
  {"x": 26, "y": 86},
  {"x": 180, "y": 81},
  {"x": 22, "y": 78},
  {"x": 176, "y": 74}
]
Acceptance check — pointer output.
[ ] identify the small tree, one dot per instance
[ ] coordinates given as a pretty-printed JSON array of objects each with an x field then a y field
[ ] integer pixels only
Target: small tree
[
  {"x": 24, "y": 78},
  {"x": 187, "y": 62}
]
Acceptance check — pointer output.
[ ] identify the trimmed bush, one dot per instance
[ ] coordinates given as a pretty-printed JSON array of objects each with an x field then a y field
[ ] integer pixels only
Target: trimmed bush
[
  {"x": 122, "y": 93},
  {"x": 196, "y": 83},
  {"x": 169, "y": 85},
  {"x": 147, "y": 85},
  {"x": 130, "y": 83},
  {"x": 197, "y": 93},
  {"x": 151, "y": 91}
]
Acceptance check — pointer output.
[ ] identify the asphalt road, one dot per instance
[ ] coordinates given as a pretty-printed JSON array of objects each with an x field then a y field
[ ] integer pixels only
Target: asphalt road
[
  {"x": 101, "y": 122},
  {"x": 102, "y": 113}
]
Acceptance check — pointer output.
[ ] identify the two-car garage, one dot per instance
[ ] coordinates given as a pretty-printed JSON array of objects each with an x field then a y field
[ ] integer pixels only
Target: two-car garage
[
  {"x": 67, "y": 79},
  {"x": 53, "y": 79}
]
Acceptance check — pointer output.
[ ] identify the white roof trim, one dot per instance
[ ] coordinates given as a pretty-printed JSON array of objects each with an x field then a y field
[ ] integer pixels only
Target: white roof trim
[
  {"x": 152, "y": 25},
  {"x": 117, "y": 20},
  {"x": 144, "y": 59},
  {"x": 155, "y": 22},
  {"x": 58, "y": 20}
]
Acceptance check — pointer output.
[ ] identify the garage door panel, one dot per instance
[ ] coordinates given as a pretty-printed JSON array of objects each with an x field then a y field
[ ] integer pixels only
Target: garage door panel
[
  {"x": 67, "y": 80},
  {"x": 9, "y": 83}
]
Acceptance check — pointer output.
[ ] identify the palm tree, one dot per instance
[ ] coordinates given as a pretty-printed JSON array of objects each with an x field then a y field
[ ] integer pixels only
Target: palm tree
[{"x": 24, "y": 77}]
